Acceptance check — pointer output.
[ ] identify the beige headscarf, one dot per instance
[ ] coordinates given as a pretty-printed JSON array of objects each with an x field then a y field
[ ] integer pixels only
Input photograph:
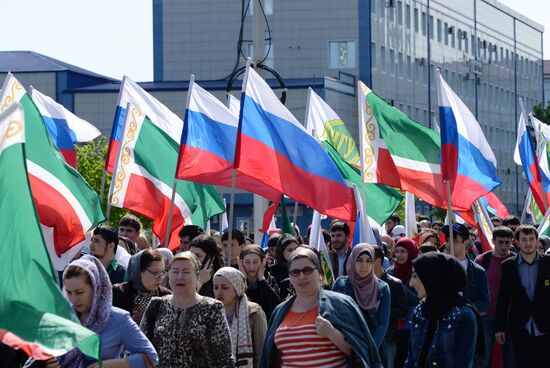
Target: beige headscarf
[{"x": 241, "y": 334}]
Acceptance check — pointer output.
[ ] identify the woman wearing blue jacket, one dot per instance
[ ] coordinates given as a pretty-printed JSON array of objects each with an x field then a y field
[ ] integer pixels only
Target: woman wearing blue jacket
[
  {"x": 446, "y": 329},
  {"x": 370, "y": 293}
]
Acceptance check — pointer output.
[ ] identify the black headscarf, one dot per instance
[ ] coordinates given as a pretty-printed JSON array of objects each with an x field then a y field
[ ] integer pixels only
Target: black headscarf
[{"x": 444, "y": 278}]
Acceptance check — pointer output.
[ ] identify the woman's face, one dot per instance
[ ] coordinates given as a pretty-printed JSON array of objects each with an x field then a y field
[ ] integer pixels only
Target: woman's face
[
  {"x": 80, "y": 294},
  {"x": 363, "y": 265},
  {"x": 183, "y": 277},
  {"x": 289, "y": 249},
  {"x": 152, "y": 277},
  {"x": 201, "y": 254},
  {"x": 401, "y": 255},
  {"x": 540, "y": 246},
  {"x": 304, "y": 277},
  {"x": 417, "y": 285},
  {"x": 252, "y": 263},
  {"x": 224, "y": 291}
]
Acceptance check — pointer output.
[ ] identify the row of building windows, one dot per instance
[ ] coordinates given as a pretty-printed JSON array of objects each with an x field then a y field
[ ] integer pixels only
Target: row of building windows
[{"x": 449, "y": 35}]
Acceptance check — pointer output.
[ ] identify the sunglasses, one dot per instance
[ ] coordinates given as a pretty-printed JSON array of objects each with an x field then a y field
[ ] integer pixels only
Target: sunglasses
[{"x": 306, "y": 271}]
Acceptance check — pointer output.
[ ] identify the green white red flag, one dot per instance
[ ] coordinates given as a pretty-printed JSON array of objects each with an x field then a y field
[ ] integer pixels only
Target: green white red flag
[
  {"x": 63, "y": 199},
  {"x": 34, "y": 315}
]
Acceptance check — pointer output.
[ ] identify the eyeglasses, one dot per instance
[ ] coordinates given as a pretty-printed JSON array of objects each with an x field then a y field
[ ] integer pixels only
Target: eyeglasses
[
  {"x": 306, "y": 271},
  {"x": 158, "y": 275}
]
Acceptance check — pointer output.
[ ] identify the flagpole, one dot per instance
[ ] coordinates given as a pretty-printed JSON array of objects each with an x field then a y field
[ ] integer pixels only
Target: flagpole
[
  {"x": 170, "y": 212},
  {"x": 536, "y": 155},
  {"x": 525, "y": 205},
  {"x": 174, "y": 187},
  {"x": 111, "y": 187},
  {"x": 360, "y": 96},
  {"x": 450, "y": 216}
]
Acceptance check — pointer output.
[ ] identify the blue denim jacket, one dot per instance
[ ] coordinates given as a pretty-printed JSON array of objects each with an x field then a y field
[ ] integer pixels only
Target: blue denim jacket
[
  {"x": 454, "y": 341},
  {"x": 379, "y": 315}
]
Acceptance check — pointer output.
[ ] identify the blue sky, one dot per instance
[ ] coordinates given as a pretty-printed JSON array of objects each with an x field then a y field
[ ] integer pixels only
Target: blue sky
[{"x": 115, "y": 37}]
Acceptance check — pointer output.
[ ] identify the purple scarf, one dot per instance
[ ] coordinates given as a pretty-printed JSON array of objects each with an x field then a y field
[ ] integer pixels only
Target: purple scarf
[
  {"x": 365, "y": 289},
  {"x": 102, "y": 302}
]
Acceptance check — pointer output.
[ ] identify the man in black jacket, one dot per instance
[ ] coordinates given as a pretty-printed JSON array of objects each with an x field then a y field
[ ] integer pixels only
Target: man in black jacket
[
  {"x": 524, "y": 302},
  {"x": 399, "y": 306}
]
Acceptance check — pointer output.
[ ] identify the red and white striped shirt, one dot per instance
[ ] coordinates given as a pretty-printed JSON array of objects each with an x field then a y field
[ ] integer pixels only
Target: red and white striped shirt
[{"x": 301, "y": 346}]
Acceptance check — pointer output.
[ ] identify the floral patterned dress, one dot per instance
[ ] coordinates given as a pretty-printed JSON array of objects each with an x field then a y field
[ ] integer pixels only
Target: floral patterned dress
[{"x": 197, "y": 336}]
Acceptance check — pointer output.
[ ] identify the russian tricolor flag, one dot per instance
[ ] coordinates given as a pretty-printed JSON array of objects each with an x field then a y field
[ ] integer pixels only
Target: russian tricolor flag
[
  {"x": 524, "y": 156},
  {"x": 208, "y": 139},
  {"x": 64, "y": 127},
  {"x": 275, "y": 155},
  {"x": 467, "y": 160}
]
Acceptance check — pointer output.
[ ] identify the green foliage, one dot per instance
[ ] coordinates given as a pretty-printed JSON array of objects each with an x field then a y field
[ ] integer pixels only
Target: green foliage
[
  {"x": 543, "y": 114},
  {"x": 91, "y": 160}
]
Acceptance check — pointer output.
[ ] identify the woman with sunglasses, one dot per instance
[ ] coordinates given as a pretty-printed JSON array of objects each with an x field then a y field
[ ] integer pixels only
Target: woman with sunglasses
[
  {"x": 316, "y": 327},
  {"x": 145, "y": 273}
]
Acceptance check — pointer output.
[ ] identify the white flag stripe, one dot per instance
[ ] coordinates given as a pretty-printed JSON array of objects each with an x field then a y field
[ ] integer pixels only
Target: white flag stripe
[{"x": 205, "y": 103}]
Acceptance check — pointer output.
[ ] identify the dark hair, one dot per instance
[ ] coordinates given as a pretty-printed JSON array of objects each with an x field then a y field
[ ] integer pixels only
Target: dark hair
[
  {"x": 284, "y": 241},
  {"x": 427, "y": 247},
  {"x": 326, "y": 236},
  {"x": 395, "y": 218},
  {"x": 339, "y": 225},
  {"x": 437, "y": 223},
  {"x": 273, "y": 239},
  {"x": 423, "y": 217},
  {"x": 131, "y": 221},
  {"x": 109, "y": 234},
  {"x": 305, "y": 252},
  {"x": 503, "y": 232},
  {"x": 235, "y": 234},
  {"x": 511, "y": 220},
  {"x": 149, "y": 256},
  {"x": 209, "y": 246},
  {"x": 525, "y": 230},
  {"x": 77, "y": 271},
  {"x": 496, "y": 218},
  {"x": 130, "y": 245},
  {"x": 378, "y": 252},
  {"x": 192, "y": 231}
]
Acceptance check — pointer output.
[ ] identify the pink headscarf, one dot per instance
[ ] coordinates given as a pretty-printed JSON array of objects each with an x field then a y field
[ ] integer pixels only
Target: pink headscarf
[
  {"x": 404, "y": 271},
  {"x": 365, "y": 289}
]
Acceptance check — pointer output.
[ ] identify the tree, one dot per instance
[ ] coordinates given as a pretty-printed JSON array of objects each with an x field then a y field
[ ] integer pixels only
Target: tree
[
  {"x": 91, "y": 161},
  {"x": 543, "y": 114}
]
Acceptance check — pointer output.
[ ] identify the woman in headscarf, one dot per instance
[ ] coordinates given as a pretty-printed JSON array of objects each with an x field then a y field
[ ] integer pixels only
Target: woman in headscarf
[
  {"x": 327, "y": 326},
  {"x": 446, "y": 328},
  {"x": 286, "y": 244},
  {"x": 405, "y": 252},
  {"x": 187, "y": 329},
  {"x": 145, "y": 273},
  {"x": 87, "y": 286},
  {"x": 205, "y": 248},
  {"x": 262, "y": 287},
  {"x": 369, "y": 292},
  {"x": 247, "y": 321}
]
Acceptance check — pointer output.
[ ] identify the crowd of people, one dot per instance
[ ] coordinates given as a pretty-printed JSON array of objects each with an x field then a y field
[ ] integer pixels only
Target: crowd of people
[{"x": 398, "y": 303}]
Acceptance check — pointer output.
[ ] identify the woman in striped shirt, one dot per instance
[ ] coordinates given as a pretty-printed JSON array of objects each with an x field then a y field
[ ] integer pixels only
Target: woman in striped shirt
[{"x": 316, "y": 328}]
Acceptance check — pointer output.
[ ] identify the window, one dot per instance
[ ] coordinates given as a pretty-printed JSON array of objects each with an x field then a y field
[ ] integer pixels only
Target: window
[
  {"x": 373, "y": 7},
  {"x": 409, "y": 68},
  {"x": 341, "y": 54},
  {"x": 465, "y": 37},
  {"x": 472, "y": 46},
  {"x": 267, "y": 4},
  {"x": 392, "y": 62},
  {"x": 416, "y": 20},
  {"x": 423, "y": 23},
  {"x": 400, "y": 69},
  {"x": 439, "y": 30},
  {"x": 400, "y": 13},
  {"x": 382, "y": 9},
  {"x": 452, "y": 35},
  {"x": 408, "y": 16},
  {"x": 446, "y": 30},
  {"x": 431, "y": 25},
  {"x": 373, "y": 54},
  {"x": 459, "y": 40},
  {"x": 391, "y": 13},
  {"x": 382, "y": 58}
]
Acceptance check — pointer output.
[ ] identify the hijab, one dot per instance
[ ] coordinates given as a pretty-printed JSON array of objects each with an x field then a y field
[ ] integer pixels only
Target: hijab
[
  {"x": 241, "y": 332},
  {"x": 364, "y": 289},
  {"x": 102, "y": 301},
  {"x": 404, "y": 271},
  {"x": 133, "y": 272}
]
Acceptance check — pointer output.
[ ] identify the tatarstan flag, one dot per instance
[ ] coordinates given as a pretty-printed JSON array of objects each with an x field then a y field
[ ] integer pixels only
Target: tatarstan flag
[
  {"x": 144, "y": 175},
  {"x": 381, "y": 200},
  {"x": 401, "y": 152},
  {"x": 64, "y": 200},
  {"x": 34, "y": 315}
]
